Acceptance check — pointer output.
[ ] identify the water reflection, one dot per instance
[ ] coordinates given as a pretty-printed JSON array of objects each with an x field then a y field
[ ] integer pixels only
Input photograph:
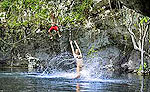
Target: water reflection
[
  {"x": 142, "y": 84},
  {"x": 13, "y": 80},
  {"x": 78, "y": 87},
  {"x": 12, "y": 70}
]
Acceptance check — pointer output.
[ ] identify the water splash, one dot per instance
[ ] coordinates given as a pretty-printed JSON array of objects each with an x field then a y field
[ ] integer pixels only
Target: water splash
[
  {"x": 60, "y": 63},
  {"x": 64, "y": 65},
  {"x": 62, "y": 68}
]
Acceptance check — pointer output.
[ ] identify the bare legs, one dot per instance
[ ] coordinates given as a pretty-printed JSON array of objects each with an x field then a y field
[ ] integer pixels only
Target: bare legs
[
  {"x": 78, "y": 70},
  {"x": 52, "y": 35},
  {"x": 58, "y": 33}
]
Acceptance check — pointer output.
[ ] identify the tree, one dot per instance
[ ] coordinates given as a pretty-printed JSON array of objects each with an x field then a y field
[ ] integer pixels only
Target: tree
[{"x": 138, "y": 40}]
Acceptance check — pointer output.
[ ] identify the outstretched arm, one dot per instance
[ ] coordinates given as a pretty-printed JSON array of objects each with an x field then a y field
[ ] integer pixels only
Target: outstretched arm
[
  {"x": 72, "y": 48},
  {"x": 78, "y": 48}
]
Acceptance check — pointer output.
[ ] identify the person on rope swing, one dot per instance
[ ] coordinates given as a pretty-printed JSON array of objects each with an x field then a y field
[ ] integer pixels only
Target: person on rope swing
[
  {"x": 53, "y": 28},
  {"x": 78, "y": 56}
]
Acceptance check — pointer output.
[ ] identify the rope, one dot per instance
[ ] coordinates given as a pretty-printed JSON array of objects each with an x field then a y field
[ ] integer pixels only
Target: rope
[{"x": 70, "y": 35}]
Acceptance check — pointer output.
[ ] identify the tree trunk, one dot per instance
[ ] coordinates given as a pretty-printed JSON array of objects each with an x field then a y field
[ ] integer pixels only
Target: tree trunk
[{"x": 142, "y": 58}]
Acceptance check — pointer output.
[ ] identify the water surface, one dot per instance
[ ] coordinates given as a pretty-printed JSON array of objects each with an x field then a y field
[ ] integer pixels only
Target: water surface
[{"x": 20, "y": 80}]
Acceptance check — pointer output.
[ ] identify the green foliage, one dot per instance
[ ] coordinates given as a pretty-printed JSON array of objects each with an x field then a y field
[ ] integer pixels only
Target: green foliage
[
  {"x": 25, "y": 16},
  {"x": 92, "y": 50},
  {"x": 5, "y": 4},
  {"x": 144, "y": 20},
  {"x": 140, "y": 68},
  {"x": 79, "y": 12},
  {"x": 135, "y": 25},
  {"x": 125, "y": 37}
]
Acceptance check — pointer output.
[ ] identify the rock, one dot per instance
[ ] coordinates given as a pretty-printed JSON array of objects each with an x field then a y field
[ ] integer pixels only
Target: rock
[
  {"x": 130, "y": 71},
  {"x": 141, "y": 6},
  {"x": 106, "y": 58},
  {"x": 135, "y": 71},
  {"x": 125, "y": 68},
  {"x": 134, "y": 60},
  {"x": 3, "y": 62},
  {"x": 106, "y": 39},
  {"x": 32, "y": 61}
]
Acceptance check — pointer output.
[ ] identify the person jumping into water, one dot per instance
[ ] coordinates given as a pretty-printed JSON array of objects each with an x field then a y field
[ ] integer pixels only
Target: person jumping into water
[
  {"x": 54, "y": 27},
  {"x": 78, "y": 56}
]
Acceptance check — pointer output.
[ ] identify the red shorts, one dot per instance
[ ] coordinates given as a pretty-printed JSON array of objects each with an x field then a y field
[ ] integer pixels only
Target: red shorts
[{"x": 53, "y": 28}]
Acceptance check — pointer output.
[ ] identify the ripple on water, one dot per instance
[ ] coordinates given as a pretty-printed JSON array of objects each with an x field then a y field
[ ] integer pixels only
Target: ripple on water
[
  {"x": 70, "y": 76},
  {"x": 62, "y": 81}
]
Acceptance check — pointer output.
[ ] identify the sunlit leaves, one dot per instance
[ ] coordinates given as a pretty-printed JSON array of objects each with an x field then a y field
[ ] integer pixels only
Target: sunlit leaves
[
  {"x": 5, "y": 4},
  {"x": 25, "y": 23},
  {"x": 144, "y": 20},
  {"x": 32, "y": 14},
  {"x": 92, "y": 50},
  {"x": 140, "y": 68}
]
